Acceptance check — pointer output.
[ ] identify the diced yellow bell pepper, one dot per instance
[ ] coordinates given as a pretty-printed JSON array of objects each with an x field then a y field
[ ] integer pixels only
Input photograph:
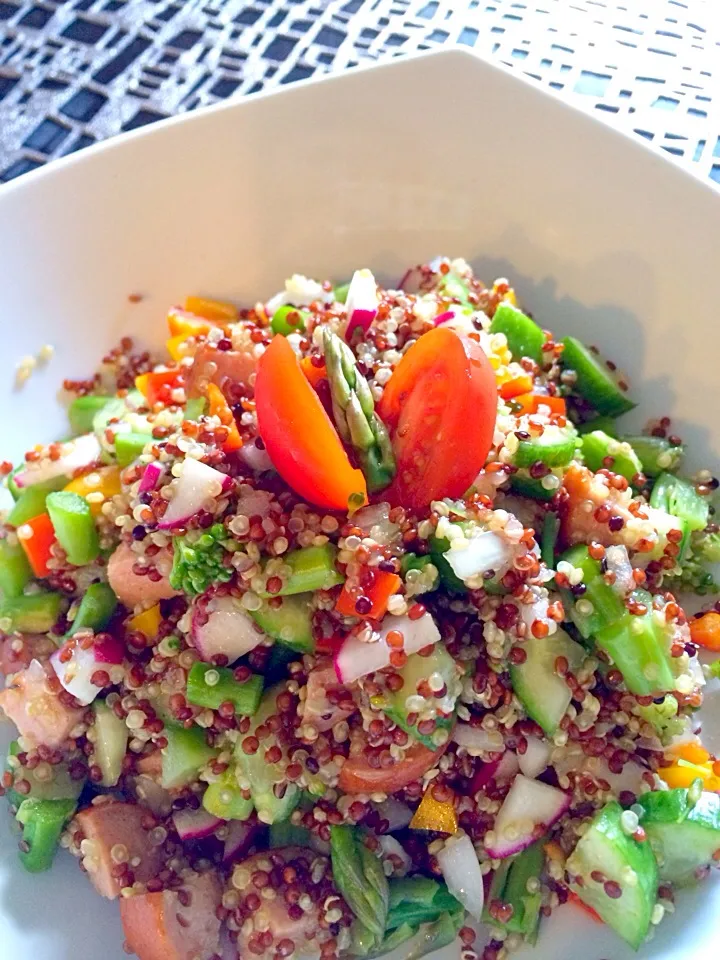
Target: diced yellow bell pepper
[
  {"x": 141, "y": 383},
  {"x": 187, "y": 324},
  {"x": 104, "y": 481},
  {"x": 683, "y": 774},
  {"x": 693, "y": 752},
  {"x": 214, "y": 310},
  {"x": 435, "y": 815},
  {"x": 148, "y": 622},
  {"x": 177, "y": 347}
]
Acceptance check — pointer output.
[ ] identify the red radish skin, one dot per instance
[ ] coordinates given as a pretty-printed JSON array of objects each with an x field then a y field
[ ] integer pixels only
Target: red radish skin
[
  {"x": 529, "y": 810},
  {"x": 196, "y": 484},
  {"x": 195, "y": 824},
  {"x": 130, "y": 588}
]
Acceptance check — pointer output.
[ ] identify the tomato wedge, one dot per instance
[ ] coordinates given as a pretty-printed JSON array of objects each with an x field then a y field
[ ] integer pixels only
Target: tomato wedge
[
  {"x": 299, "y": 436},
  {"x": 357, "y": 776},
  {"x": 440, "y": 407}
]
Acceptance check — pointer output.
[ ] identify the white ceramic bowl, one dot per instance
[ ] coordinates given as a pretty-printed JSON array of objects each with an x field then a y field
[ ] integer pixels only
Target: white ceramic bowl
[{"x": 382, "y": 167}]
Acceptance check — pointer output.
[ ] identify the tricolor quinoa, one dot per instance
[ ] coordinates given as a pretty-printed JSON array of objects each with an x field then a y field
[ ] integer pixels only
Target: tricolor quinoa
[{"x": 353, "y": 623}]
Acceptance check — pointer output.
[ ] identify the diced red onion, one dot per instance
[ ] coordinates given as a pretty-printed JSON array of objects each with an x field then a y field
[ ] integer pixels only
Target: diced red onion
[
  {"x": 109, "y": 649},
  {"x": 478, "y": 738},
  {"x": 221, "y": 628},
  {"x": 461, "y": 871},
  {"x": 197, "y": 484},
  {"x": 361, "y": 303},
  {"x": 240, "y": 837},
  {"x": 151, "y": 477},
  {"x": 76, "y": 455},
  {"x": 357, "y": 659},
  {"x": 536, "y": 757},
  {"x": 530, "y": 807},
  {"x": 195, "y": 824}
]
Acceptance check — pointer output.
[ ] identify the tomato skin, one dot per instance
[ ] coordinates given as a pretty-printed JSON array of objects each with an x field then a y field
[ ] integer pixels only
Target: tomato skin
[
  {"x": 298, "y": 434},
  {"x": 357, "y": 776},
  {"x": 440, "y": 407}
]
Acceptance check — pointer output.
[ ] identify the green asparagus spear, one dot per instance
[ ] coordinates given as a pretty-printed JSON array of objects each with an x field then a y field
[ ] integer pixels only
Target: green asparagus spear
[{"x": 359, "y": 877}]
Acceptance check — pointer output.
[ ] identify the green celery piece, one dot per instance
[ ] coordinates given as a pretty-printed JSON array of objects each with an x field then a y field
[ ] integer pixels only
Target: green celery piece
[
  {"x": 640, "y": 648},
  {"x": 96, "y": 609},
  {"x": 535, "y": 682},
  {"x": 340, "y": 293},
  {"x": 311, "y": 568},
  {"x": 224, "y": 798},
  {"x": 555, "y": 447},
  {"x": 550, "y": 532},
  {"x": 363, "y": 941},
  {"x": 595, "y": 382},
  {"x": 287, "y": 319},
  {"x": 13, "y": 488},
  {"x": 129, "y": 446},
  {"x": 683, "y": 829},
  {"x": 597, "y": 445},
  {"x": 31, "y": 502},
  {"x": 43, "y": 822},
  {"x": 359, "y": 876},
  {"x": 82, "y": 412},
  {"x": 680, "y": 498},
  {"x": 454, "y": 287},
  {"x": 608, "y": 607},
  {"x": 184, "y": 757},
  {"x": 195, "y": 408},
  {"x": 417, "y": 669},
  {"x": 290, "y": 623},
  {"x": 606, "y": 848},
  {"x": 524, "y": 336},
  {"x": 15, "y": 569},
  {"x": 74, "y": 526},
  {"x": 429, "y": 938},
  {"x": 715, "y": 669},
  {"x": 509, "y": 885},
  {"x": 32, "y": 613},
  {"x": 656, "y": 454},
  {"x": 110, "y": 744},
  {"x": 245, "y": 697}
]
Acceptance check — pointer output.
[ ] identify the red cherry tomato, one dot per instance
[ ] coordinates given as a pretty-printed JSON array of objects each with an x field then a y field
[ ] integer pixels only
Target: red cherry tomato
[
  {"x": 357, "y": 776},
  {"x": 440, "y": 407}
]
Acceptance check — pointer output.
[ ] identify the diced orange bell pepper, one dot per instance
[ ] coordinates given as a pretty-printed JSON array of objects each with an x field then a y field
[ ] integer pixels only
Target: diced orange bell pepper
[
  {"x": 682, "y": 773},
  {"x": 553, "y": 851},
  {"x": 383, "y": 586},
  {"x": 218, "y": 407},
  {"x": 177, "y": 347},
  {"x": 148, "y": 622},
  {"x": 529, "y": 403},
  {"x": 574, "y": 898},
  {"x": 37, "y": 536},
  {"x": 516, "y": 387},
  {"x": 215, "y": 310},
  {"x": 186, "y": 325},
  {"x": 156, "y": 387},
  {"x": 692, "y": 752},
  {"x": 104, "y": 481},
  {"x": 313, "y": 373},
  {"x": 705, "y": 631},
  {"x": 436, "y": 815}
]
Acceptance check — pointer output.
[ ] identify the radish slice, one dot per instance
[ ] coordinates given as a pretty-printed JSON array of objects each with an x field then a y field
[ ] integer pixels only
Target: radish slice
[
  {"x": 536, "y": 757},
  {"x": 195, "y": 824},
  {"x": 198, "y": 483},
  {"x": 109, "y": 649},
  {"x": 486, "y": 551},
  {"x": 75, "y": 674},
  {"x": 444, "y": 317},
  {"x": 529, "y": 809},
  {"x": 357, "y": 659},
  {"x": 478, "y": 739},
  {"x": 221, "y": 628},
  {"x": 75, "y": 455},
  {"x": 151, "y": 477},
  {"x": 463, "y": 876},
  {"x": 240, "y": 837},
  {"x": 361, "y": 303}
]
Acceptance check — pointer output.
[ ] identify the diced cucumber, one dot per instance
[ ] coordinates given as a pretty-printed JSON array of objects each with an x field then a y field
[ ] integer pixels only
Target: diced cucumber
[
  {"x": 32, "y": 613},
  {"x": 82, "y": 412},
  {"x": 656, "y": 454},
  {"x": 680, "y": 498},
  {"x": 224, "y": 799},
  {"x": 416, "y": 670},
  {"x": 683, "y": 834},
  {"x": 606, "y": 424},
  {"x": 510, "y": 885},
  {"x": 524, "y": 336},
  {"x": 550, "y": 533},
  {"x": 31, "y": 502},
  {"x": 184, "y": 757},
  {"x": 527, "y": 486},
  {"x": 640, "y": 649},
  {"x": 119, "y": 408},
  {"x": 263, "y": 776},
  {"x": 555, "y": 447},
  {"x": 111, "y": 738},
  {"x": 129, "y": 446},
  {"x": 417, "y": 900},
  {"x": 311, "y": 568},
  {"x": 195, "y": 408},
  {"x": 616, "y": 859},
  {"x": 595, "y": 381},
  {"x": 545, "y": 695},
  {"x": 597, "y": 447},
  {"x": 15, "y": 569},
  {"x": 603, "y": 606},
  {"x": 244, "y": 696},
  {"x": 60, "y": 787},
  {"x": 290, "y": 623}
]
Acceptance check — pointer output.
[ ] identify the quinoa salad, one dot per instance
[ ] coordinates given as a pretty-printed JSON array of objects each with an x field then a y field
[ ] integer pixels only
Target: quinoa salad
[{"x": 353, "y": 624}]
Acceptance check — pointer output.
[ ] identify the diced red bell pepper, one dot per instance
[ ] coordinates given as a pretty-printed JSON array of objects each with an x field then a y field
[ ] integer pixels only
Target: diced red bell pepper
[
  {"x": 382, "y": 587},
  {"x": 37, "y": 536},
  {"x": 219, "y": 407}
]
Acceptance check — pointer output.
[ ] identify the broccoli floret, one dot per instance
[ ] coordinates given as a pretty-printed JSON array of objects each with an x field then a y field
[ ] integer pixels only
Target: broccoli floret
[
  {"x": 707, "y": 546},
  {"x": 198, "y": 560},
  {"x": 664, "y": 717}
]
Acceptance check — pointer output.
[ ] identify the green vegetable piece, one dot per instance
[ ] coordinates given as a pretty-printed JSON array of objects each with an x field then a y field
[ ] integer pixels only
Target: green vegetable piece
[
  {"x": 527, "y": 486},
  {"x": 311, "y": 568},
  {"x": 60, "y": 787},
  {"x": 555, "y": 447},
  {"x": 545, "y": 695},
  {"x": 715, "y": 669},
  {"x": 412, "y": 561},
  {"x": 354, "y": 414},
  {"x": 42, "y": 822},
  {"x": 110, "y": 743},
  {"x": 31, "y": 502},
  {"x": 13, "y": 488},
  {"x": 288, "y": 320},
  {"x": 510, "y": 885},
  {"x": 359, "y": 876},
  {"x": 598, "y": 446},
  {"x": 550, "y": 532},
  {"x": 416, "y": 670},
  {"x": 290, "y": 623},
  {"x": 74, "y": 526},
  {"x": 32, "y": 613},
  {"x": 524, "y": 336},
  {"x": 129, "y": 446},
  {"x": 96, "y": 609},
  {"x": 195, "y": 408},
  {"x": 664, "y": 717},
  {"x": 680, "y": 498},
  {"x": 606, "y": 606},
  {"x": 426, "y": 939},
  {"x": 640, "y": 648},
  {"x": 623, "y": 861},
  {"x": 683, "y": 827},
  {"x": 124, "y": 410},
  {"x": 417, "y": 900},
  {"x": 606, "y": 424},
  {"x": 454, "y": 287},
  {"x": 82, "y": 412},
  {"x": 288, "y": 834},
  {"x": 656, "y": 454},
  {"x": 198, "y": 560},
  {"x": 209, "y": 686},
  {"x": 340, "y": 293},
  {"x": 224, "y": 798},
  {"x": 595, "y": 381},
  {"x": 184, "y": 757},
  {"x": 15, "y": 569}
]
